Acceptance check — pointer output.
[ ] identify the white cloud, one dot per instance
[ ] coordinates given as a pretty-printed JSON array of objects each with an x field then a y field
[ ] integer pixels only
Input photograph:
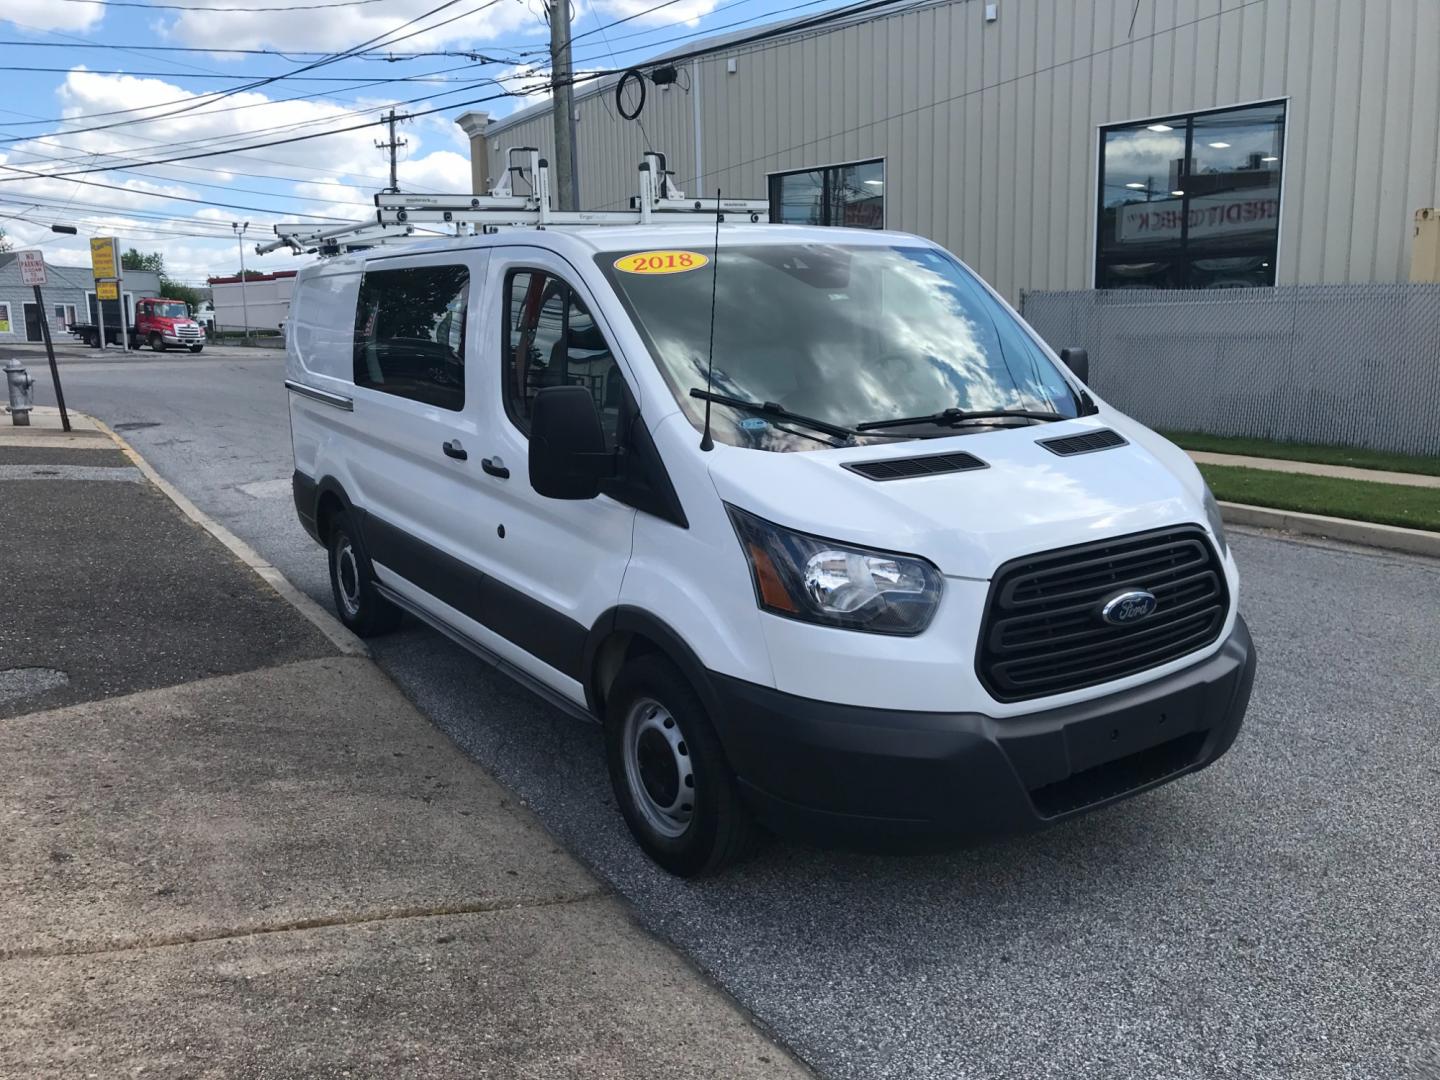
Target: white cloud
[
  {"x": 345, "y": 160},
  {"x": 686, "y": 11},
  {"x": 48, "y": 15},
  {"x": 335, "y": 29}
]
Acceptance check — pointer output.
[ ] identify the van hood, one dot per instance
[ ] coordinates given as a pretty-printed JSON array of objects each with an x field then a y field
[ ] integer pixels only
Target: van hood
[{"x": 968, "y": 523}]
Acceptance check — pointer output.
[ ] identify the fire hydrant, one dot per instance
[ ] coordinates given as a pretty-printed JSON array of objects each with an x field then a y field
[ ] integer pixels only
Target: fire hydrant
[{"x": 21, "y": 387}]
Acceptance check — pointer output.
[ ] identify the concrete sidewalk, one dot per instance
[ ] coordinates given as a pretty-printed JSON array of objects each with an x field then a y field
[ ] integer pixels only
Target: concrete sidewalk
[
  {"x": 226, "y": 850},
  {"x": 1310, "y": 468}
]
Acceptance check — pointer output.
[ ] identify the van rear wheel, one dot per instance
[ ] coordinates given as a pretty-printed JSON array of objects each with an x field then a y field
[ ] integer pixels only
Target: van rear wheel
[
  {"x": 352, "y": 582},
  {"x": 671, "y": 780}
]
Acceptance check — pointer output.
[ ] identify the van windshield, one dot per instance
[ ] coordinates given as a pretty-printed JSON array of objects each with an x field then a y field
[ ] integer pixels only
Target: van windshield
[{"x": 843, "y": 334}]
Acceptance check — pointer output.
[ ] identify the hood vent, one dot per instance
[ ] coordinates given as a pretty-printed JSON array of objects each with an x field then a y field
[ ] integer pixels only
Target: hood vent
[
  {"x": 907, "y": 468},
  {"x": 1091, "y": 441}
]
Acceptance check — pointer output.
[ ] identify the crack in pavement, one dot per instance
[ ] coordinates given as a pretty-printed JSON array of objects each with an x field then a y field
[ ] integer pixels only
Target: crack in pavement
[{"x": 318, "y": 922}]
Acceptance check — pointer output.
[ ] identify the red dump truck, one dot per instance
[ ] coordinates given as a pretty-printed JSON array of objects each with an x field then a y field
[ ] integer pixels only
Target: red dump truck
[{"x": 159, "y": 323}]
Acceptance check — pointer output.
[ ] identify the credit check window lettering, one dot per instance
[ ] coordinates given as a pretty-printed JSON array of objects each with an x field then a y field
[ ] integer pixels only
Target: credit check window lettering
[
  {"x": 552, "y": 340},
  {"x": 410, "y": 334},
  {"x": 1191, "y": 202}
]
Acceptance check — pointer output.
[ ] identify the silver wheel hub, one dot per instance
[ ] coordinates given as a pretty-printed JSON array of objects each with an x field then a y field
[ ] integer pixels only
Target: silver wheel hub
[
  {"x": 658, "y": 769},
  {"x": 347, "y": 576}
]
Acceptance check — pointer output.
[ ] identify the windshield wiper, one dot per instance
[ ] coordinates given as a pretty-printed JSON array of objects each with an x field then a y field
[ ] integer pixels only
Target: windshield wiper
[
  {"x": 952, "y": 417},
  {"x": 769, "y": 408}
]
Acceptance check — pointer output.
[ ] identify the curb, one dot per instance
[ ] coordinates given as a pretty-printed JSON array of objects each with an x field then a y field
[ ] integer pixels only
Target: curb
[
  {"x": 333, "y": 629},
  {"x": 1370, "y": 534}
]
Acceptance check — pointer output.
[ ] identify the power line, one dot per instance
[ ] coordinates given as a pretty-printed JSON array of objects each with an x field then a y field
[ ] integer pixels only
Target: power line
[
  {"x": 217, "y": 187},
  {"x": 201, "y": 7},
  {"x": 156, "y": 194},
  {"x": 773, "y": 32},
  {"x": 209, "y": 75},
  {"x": 329, "y": 59},
  {"x": 156, "y": 143},
  {"x": 216, "y": 140},
  {"x": 286, "y": 55},
  {"x": 215, "y": 112}
]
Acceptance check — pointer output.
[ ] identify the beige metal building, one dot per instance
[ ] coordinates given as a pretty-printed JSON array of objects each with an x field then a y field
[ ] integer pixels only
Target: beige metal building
[{"x": 1058, "y": 144}]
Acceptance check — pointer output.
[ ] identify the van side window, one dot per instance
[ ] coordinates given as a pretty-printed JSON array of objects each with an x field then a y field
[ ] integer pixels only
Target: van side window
[
  {"x": 410, "y": 333},
  {"x": 552, "y": 340}
]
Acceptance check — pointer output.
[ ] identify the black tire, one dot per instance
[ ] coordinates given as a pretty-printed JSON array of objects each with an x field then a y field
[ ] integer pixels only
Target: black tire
[
  {"x": 157, "y": 343},
  {"x": 654, "y": 718},
  {"x": 352, "y": 584},
  {"x": 196, "y": 348}
]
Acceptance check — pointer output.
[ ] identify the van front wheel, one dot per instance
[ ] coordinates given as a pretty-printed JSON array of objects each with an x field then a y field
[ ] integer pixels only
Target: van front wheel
[
  {"x": 671, "y": 780},
  {"x": 352, "y": 581}
]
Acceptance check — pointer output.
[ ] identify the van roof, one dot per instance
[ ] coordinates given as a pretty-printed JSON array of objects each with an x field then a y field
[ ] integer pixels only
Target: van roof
[{"x": 585, "y": 240}]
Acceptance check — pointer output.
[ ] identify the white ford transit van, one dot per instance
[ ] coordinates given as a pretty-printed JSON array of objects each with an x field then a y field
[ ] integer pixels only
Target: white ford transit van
[{"x": 818, "y": 529}]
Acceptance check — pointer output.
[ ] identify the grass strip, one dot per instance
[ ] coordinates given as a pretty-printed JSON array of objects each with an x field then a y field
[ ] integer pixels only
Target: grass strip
[
  {"x": 1360, "y": 500},
  {"x": 1321, "y": 455}
]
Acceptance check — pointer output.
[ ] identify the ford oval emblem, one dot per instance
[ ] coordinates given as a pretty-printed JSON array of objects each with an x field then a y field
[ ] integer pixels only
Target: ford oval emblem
[{"x": 1128, "y": 607}]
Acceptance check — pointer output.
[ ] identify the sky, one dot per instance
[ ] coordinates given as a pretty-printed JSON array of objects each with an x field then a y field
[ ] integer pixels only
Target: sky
[{"x": 105, "y": 103}]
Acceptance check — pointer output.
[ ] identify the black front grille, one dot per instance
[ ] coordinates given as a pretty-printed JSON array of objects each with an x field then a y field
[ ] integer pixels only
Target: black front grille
[
  {"x": 1043, "y": 633},
  {"x": 1088, "y": 443},
  {"x": 904, "y": 468}
]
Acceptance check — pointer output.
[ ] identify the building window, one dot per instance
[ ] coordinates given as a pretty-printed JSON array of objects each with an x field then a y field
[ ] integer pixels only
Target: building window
[
  {"x": 1191, "y": 202},
  {"x": 850, "y": 195},
  {"x": 552, "y": 340},
  {"x": 5, "y": 318},
  {"x": 410, "y": 334}
]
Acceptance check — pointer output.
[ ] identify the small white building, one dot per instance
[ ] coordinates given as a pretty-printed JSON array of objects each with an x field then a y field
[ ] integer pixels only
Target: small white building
[{"x": 264, "y": 298}]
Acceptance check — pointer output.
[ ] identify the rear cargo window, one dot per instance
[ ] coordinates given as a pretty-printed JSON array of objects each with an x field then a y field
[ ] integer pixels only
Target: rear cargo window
[{"x": 410, "y": 333}]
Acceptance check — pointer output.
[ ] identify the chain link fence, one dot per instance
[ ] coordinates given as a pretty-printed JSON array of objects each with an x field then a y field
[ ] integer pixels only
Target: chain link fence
[{"x": 1349, "y": 365}]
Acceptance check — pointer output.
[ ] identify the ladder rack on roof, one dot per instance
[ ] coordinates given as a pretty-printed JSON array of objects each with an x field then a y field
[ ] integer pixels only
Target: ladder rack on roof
[
  {"x": 659, "y": 202},
  {"x": 336, "y": 240}
]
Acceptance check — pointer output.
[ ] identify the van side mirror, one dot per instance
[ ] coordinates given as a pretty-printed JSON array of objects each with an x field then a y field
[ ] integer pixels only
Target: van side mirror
[
  {"x": 568, "y": 457},
  {"x": 1078, "y": 361}
]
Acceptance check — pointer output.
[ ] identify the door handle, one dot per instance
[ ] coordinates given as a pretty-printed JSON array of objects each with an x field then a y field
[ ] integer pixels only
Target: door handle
[
  {"x": 495, "y": 468},
  {"x": 455, "y": 450}
]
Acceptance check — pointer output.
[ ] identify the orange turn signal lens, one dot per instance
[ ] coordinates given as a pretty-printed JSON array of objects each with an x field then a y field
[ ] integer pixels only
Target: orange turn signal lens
[{"x": 772, "y": 589}]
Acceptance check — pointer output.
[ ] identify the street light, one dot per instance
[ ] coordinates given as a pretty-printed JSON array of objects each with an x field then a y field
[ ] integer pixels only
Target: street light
[{"x": 244, "y": 297}]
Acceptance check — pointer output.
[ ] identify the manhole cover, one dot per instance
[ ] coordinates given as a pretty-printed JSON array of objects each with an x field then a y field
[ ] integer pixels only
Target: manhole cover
[
  {"x": 23, "y": 682},
  {"x": 136, "y": 425}
]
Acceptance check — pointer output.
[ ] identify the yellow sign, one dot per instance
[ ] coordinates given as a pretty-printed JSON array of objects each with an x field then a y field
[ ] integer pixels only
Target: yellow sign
[
  {"x": 104, "y": 257},
  {"x": 107, "y": 290},
  {"x": 661, "y": 262}
]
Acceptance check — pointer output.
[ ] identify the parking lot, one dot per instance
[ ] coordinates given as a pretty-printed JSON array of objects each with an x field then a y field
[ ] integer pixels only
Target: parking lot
[{"x": 1275, "y": 916}]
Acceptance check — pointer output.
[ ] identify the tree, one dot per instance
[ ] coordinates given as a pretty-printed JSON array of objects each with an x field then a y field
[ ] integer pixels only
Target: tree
[
  {"x": 173, "y": 290},
  {"x": 4, "y": 243},
  {"x": 135, "y": 260}
]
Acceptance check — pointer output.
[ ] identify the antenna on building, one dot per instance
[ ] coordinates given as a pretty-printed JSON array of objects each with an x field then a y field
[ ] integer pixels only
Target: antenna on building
[{"x": 707, "y": 443}]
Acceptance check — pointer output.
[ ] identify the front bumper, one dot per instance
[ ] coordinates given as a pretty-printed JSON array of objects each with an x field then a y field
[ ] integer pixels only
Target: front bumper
[{"x": 830, "y": 772}]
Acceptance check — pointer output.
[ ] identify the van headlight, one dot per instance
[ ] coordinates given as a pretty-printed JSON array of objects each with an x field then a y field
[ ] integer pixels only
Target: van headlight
[
  {"x": 1217, "y": 523},
  {"x": 821, "y": 581}
]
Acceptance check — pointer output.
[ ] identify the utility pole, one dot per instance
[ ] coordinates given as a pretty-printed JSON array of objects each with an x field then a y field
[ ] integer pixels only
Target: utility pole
[
  {"x": 392, "y": 146},
  {"x": 244, "y": 296},
  {"x": 563, "y": 95}
]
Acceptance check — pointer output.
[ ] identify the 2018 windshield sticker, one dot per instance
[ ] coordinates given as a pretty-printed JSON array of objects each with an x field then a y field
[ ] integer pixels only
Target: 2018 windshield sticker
[{"x": 661, "y": 262}]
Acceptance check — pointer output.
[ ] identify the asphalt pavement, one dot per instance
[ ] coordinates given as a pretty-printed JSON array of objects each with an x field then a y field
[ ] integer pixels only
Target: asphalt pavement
[{"x": 1273, "y": 916}]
